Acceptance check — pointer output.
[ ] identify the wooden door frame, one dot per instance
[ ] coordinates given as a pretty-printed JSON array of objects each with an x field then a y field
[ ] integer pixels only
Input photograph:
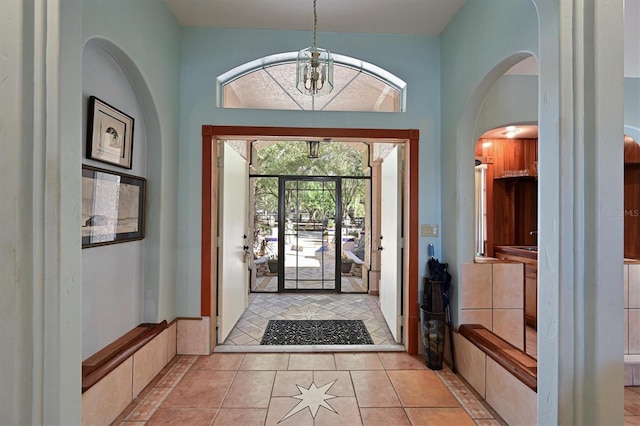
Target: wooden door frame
[{"x": 410, "y": 138}]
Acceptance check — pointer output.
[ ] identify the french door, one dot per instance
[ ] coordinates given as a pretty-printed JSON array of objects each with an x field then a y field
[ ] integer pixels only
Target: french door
[{"x": 309, "y": 240}]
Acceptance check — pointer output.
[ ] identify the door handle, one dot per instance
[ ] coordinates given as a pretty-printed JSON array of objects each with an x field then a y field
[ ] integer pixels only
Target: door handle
[{"x": 380, "y": 248}]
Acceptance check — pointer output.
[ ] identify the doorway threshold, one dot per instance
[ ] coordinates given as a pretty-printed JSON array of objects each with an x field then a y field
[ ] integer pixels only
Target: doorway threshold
[{"x": 307, "y": 348}]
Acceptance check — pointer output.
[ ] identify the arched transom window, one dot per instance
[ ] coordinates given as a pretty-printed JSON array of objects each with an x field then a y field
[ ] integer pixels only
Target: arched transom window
[{"x": 270, "y": 83}]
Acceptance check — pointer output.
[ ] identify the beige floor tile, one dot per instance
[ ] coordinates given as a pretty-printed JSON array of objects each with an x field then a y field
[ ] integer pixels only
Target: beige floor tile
[
  {"x": 401, "y": 361},
  {"x": 219, "y": 362},
  {"x": 439, "y": 416},
  {"x": 358, "y": 361},
  {"x": 181, "y": 416},
  {"x": 345, "y": 413},
  {"x": 250, "y": 389},
  {"x": 280, "y": 407},
  {"x": 384, "y": 417},
  {"x": 286, "y": 383},
  {"x": 241, "y": 416},
  {"x": 312, "y": 362},
  {"x": 261, "y": 361},
  {"x": 632, "y": 401},
  {"x": 374, "y": 389},
  {"x": 342, "y": 385},
  {"x": 421, "y": 388},
  {"x": 200, "y": 389},
  {"x": 631, "y": 420}
]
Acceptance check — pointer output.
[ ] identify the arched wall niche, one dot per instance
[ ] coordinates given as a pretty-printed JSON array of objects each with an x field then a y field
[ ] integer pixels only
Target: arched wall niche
[
  {"x": 120, "y": 285},
  {"x": 467, "y": 136}
]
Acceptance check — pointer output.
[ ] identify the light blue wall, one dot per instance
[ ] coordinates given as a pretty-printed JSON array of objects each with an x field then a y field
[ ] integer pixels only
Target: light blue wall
[
  {"x": 513, "y": 99},
  {"x": 207, "y": 53},
  {"x": 143, "y": 39},
  {"x": 482, "y": 42},
  {"x": 113, "y": 275},
  {"x": 632, "y": 107}
]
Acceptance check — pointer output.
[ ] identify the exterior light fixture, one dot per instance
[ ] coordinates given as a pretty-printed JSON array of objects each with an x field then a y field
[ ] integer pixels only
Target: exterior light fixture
[
  {"x": 313, "y": 148},
  {"x": 314, "y": 67}
]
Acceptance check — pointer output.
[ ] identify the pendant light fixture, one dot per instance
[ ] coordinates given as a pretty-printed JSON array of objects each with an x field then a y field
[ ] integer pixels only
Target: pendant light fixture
[
  {"x": 313, "y": 148},
  {"x": 314, "y": 67}
]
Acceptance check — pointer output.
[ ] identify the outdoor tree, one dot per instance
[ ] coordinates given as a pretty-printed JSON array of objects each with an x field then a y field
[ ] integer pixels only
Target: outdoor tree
[{"x": 290, "y": 158}]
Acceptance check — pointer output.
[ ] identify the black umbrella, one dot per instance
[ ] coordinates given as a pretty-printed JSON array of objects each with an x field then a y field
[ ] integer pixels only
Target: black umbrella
[{"x": 435, "y": 296}]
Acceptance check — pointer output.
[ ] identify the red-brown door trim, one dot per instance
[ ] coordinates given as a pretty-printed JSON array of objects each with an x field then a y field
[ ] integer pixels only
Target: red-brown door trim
[{"x": 211, "y": 134}]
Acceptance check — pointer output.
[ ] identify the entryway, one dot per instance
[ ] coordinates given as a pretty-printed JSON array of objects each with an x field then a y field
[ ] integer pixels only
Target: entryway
[
  {"x": 264, "y": 307},
  {"x": 314, "y": 241},
  {"x": 227, "y": 251}
]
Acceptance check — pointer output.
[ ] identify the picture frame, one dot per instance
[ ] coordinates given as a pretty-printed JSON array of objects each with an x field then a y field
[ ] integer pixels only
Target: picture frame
[
  {"x": 113, "y": 207},
  {"x": 109, "y": 134}
]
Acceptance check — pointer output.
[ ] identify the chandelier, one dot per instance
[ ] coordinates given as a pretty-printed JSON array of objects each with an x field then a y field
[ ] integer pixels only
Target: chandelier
[{"x": 314, "y": 67}]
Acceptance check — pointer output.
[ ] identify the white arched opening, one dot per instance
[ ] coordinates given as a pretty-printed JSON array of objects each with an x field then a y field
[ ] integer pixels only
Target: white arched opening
[{"x": 270, "y": 83}]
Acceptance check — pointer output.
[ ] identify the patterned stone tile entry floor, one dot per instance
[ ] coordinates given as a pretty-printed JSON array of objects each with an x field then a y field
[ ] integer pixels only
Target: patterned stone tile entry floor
[
  {"x": 384, "y": 388},
  {"x": 249, "y": 330}
]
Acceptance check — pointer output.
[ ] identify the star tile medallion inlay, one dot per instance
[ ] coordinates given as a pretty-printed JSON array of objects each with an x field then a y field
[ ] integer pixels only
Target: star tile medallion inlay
[{"x": 313, "y": 398}]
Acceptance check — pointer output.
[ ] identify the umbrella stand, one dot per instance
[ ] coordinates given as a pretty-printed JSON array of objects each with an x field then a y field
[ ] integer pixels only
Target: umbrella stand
[{"x": 435, "y": 313}]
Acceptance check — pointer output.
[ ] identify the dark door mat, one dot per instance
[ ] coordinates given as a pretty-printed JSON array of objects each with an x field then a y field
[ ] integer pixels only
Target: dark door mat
[{"x": 316, "y": 332}]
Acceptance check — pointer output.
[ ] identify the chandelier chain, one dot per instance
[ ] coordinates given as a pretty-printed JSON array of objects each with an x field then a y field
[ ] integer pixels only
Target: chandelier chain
[{"x": 315, "y": 24}]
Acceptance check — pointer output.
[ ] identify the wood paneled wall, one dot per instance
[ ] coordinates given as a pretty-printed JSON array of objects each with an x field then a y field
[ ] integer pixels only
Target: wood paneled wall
[
  {"x": 512, "y": 190},
  {"x": 631, "y": 200}
]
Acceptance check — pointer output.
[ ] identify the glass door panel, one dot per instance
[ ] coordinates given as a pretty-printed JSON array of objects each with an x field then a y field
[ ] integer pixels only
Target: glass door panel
[
  {"x": 355, "y": 238},
  {"x": 263, "y": 230},
  {"x": 309, "y": 211}
]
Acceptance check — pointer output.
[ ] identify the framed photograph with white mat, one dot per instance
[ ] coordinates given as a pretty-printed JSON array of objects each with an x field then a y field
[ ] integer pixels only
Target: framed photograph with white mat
[
  {"x": 113, "y": 207},
  {"x": 109, "y": 134}
]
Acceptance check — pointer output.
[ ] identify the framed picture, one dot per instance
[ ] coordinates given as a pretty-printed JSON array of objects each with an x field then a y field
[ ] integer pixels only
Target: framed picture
[
  {"x": 109, "y": 134},
  {"x": 112, "y": 207}
]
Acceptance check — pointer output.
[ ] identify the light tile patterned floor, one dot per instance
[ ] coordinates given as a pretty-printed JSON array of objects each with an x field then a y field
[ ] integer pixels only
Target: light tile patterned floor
[
  {"x": 264, "y": 307},
  {"x": 384, "y": 388}
]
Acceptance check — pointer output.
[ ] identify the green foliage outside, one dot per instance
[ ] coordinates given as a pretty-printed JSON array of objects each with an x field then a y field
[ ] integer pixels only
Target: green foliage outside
[{"x": 290, "y": 158}]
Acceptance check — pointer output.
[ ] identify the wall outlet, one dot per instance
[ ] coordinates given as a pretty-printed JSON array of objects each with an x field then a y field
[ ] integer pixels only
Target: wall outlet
[{"x": 429, "y": 230}]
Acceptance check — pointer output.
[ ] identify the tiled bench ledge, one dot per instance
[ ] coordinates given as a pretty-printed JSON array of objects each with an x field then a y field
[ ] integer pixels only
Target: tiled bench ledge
[
  {"x": 115, "y": 375},
  {"x": 103, "y": 362},
  {"x": 512, "y": 359},
  {"x": 503, "y": 375}
]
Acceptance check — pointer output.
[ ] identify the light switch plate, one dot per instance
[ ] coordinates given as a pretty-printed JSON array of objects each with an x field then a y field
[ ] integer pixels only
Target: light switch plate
[{"x": 429, "y": 230}]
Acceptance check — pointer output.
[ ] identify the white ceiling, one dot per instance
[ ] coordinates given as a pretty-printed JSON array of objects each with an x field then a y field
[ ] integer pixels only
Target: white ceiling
[{"x": 420, "y": 17}]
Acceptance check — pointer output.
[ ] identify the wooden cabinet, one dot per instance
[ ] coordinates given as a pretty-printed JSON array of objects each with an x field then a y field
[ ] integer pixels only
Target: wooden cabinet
[
  {"x": 531, "y": 294},
  {"x": 510, "y": 157},
  {"x": 631, "y": 210},
  {"x": 511, "y": 191}
]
